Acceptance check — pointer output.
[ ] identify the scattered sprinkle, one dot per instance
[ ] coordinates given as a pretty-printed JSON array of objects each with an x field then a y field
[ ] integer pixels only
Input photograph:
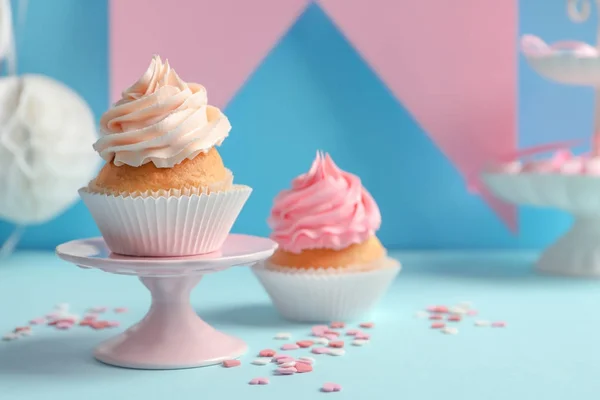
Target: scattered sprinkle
[
  {"x": 97, "y": 310},
  {"x": 283, "y": 336},
  {"x": 362, "y": 336},
  {"x": 231, "y": 363},
  {"x": 482, "y": 322},
  {"x": 261, "y": 361},
  {"x": 305, "y": 343},
  {"x": 367, "y": 325},
  {"x": 284, "y": 360},
  {"x": 352, "y": 332},
  {"x": 302, "y": 367},
  {"x": 337, "y": 325},
  {"x": 498, "y": 324},
  {"x": 259, "y": 381},
  {"x": 436, "y": 316},
  {"x": 120, "y": 310},
  {"x": 319, "y": 330},
  {"x": 64, "y": 325},
  {"x": 278, "y": 357},
  {"x": 320, "y": 350},
  {"x": 331, "y": 387},
  {"x": 337, "y": 344},
  {"x": 321, "y": 340},
  {"x": 437, "y": 309},
  {"x": 336, "y": 352},
  {"x": 457, "y": 310},
  {"x": 359, "y": 342},
  {"x": 450, "y": 330},
  {"x": 437, "y": 325},
  {"x": 290, "y": 346},
  {"x": 288, "y": 364},
  {"x": 286, "y": 371},
  {"x": 308, "y": 360},
  {"x": 267, "y": 353},
  {"x": 472, "y": 313},
  {"x": 330, "y": 337},
  {"x": 333, "y": 333},
  {"x": 454, "y": 318}
]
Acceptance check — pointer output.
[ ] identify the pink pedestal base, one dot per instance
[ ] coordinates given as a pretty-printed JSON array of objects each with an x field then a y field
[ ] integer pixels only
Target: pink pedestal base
[{"x": 171, "y": 335}]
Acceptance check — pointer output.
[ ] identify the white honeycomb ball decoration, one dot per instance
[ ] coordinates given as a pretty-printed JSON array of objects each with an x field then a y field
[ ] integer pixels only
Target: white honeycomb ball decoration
[{"x": 46, "y": 155}]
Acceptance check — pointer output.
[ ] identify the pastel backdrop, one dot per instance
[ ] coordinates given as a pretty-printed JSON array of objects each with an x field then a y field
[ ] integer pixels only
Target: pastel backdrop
[{"x": 402, "y": 97}]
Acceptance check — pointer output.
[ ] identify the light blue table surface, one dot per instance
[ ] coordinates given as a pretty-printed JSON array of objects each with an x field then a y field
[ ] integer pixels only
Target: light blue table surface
[{"x": 548, "y": 351}]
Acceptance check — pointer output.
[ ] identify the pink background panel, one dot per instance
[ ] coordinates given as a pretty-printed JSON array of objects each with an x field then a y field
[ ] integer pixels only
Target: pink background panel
[
  {"x": 458, "y": 84},
  {"x": 215, "y": 43}
]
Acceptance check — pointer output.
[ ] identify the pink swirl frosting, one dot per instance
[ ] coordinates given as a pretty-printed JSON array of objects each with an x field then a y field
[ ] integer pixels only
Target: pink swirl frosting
[
  {"x": 325, "y": 208},
  {"x": 160, "y": 119}
]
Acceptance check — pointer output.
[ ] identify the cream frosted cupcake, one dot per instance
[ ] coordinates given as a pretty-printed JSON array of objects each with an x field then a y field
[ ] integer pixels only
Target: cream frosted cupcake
[
  {"x": 164, "y": 190},
  {"x": 329, "y": 264}
]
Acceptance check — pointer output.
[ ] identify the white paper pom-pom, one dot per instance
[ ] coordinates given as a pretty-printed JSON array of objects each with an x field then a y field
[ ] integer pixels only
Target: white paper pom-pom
[{"x": 46, "y": 136}]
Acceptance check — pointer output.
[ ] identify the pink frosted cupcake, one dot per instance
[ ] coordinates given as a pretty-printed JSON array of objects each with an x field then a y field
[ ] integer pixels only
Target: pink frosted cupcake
[{"x": 329, "y": 264}]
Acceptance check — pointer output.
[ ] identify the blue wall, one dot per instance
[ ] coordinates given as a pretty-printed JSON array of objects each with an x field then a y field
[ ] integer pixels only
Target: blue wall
[{"x": 313, "y": 91}]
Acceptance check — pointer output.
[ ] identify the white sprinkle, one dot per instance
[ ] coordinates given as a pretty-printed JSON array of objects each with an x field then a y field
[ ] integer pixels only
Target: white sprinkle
[
  {"x": 308, "y": 360},
  {"x": 482, "y": 323},
  {"x": 337, "y": 352},
  {"x": 359, "y": 342},
  {"x": 262, "y": 361},
  {"x": 457, "y": 310},
  {"x": 450, "y": 330},
  {"x": 10, "y": 336},
  {"x": 421, "y": 314},
  {"x": 283, "y": 336},
  {"x": 321, "y": 340},
  {"x": 288, "y": 364}
]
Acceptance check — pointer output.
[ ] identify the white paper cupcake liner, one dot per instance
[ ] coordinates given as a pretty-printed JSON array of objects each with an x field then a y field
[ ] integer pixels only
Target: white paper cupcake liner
[
  {"x": 327, "y": 294},
  {"x": 169, "y": 224}
]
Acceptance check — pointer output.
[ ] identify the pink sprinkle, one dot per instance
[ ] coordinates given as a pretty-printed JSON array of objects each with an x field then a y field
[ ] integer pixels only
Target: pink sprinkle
[
  {"x": 329, "y": 337},
  {"x": 472, "y": 313},
  {"x": 120, "y": 310},
  {"x": 331, "y": 387},
  {"x": 38, "y": 321},
  {"x": 352, "y": 332},
  {"x": 337, "y": 325},
  {"x": 319, "y": 330},
  {"x": 499, "y": 324},
  {"x": 454, "y": 318},
  {"x": 231, "y": 363},
  {"x": 259, "y": 381},
  {"x": 113, "y": 324},
  {"x": 320, "y": 350},
  {"x": 19, "y": 329},
  {"x": 90, "y": 317},
  {"x": 437, "y": 309},
  {"x": 367, "y": 325},
  {"x": 278, "y": 357},
  {"x": 435, "y": 316},
  {"x": 438, "y": 325},
  {"x": 283, "y": 360},
  {"x": 362, "y": 336},
  {"x": 286, "y": 371},
  {"x": 267, "y": 353},
  {"x": 290, "y": 346},
  {"x": 338, "y": 344},
  {"x": 305, "y": 343},
  {"x": 64, "y": 325},
  {"x": 302, "y": 367}
]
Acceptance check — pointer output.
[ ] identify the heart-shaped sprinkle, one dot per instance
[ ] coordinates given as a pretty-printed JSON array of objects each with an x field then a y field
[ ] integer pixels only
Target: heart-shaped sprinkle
[
  {"x": 337, "y": 344},
  {"x": 352, "y": 332},
  {"x": 320, "y": 350},
  {"x": 303, "y": 367},
  {"x": 290, "y": 346},
  {"x": 266, "y": 353},
  {"x": 454, "y": 318},
  {"x": 438, "y": 325},
  {"x": 261, "y": 361},
  {"x": 450, "y": 330},
  {"x": 437, "y": 309},
  {"x": 305, "y": 343},
  {"x": 307, "y": 360},
  {"x": 284, "y": 360},
  {"x": 287, "y": 364},
  {"x": 283, "y": 336},
  {"x": 359, "y": 342},
  {"x": 337, "y": 325},
  {"x": 321, "y": 340},
  {"x": 436, "y": 316},
  {"x": 331, "y": 387},
  {"x": 286, "y": 371},
  {"x": 336, "y": 352},
  {"x": 231, "y": 363},
  {"x": 259, "y": 381},
  {"x": 367, "y": 325}
]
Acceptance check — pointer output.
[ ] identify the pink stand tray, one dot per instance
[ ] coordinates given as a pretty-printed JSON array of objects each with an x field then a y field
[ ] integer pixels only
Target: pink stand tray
[{"x": 171, "y": 335}]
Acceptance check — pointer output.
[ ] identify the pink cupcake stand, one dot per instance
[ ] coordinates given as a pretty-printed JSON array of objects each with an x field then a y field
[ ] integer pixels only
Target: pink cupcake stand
[
  {"x": 171, "y": 335},
  {"x": 568, "y": 183}
]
